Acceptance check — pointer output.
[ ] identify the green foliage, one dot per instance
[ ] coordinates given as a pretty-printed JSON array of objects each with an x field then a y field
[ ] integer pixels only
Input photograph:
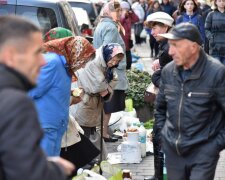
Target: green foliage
[
  {"x": 138, "y": 82},
  {"x": 149, "y": 124}
]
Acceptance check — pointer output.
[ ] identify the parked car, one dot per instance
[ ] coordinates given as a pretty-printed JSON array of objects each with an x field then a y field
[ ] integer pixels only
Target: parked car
[
  {"x": 80, "y": 12},
  {"x": 86, "y": 5},
  {"x": 84, "y": 23},
  {"x": 47, "y": 14}
]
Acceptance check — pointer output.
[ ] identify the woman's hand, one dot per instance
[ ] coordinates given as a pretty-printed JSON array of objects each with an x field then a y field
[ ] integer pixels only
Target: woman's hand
[
  {"x": 155, "y": 65},
  {"x": 104, "y": 93},
  {"x": 75, "y": 100}
]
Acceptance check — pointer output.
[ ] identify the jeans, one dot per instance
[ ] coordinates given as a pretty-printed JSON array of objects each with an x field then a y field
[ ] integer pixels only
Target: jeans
[
  {"x": 51, "y": 143},
  {"x": 221, "y": 59}
]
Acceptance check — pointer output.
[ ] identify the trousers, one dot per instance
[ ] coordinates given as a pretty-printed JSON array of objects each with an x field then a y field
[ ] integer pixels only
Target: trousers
[{"x": 199, "y": 163}]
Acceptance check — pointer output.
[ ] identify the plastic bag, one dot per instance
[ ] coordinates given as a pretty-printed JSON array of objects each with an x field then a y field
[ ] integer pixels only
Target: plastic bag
[{"x": 143, "y": 34}]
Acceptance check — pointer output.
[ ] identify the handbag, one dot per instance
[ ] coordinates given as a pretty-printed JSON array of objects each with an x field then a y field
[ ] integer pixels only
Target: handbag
[{"x": 150, "y": 93}]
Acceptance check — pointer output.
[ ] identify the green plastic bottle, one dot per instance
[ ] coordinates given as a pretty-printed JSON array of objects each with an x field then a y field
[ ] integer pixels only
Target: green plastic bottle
[{"x": 164, "y": 170}]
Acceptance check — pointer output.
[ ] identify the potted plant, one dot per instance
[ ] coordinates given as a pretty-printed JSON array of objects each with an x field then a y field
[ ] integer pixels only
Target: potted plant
[{"x": 138, "y": 82}]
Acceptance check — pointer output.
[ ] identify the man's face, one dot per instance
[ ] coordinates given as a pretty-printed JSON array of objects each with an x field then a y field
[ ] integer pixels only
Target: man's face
[
  {"x": 29, "y": 60},
  {"x": 158, "y": 30},
  {"x": 181, "y": 52}
]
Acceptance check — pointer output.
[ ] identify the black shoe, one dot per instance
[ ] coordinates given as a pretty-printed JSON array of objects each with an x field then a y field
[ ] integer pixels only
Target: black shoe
[
  {"x": 110, "y": 139},
  {"x": 116, "y": 136}
]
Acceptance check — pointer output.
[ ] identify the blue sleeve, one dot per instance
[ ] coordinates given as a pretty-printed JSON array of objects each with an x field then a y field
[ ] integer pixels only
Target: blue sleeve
[
  {"x": 45, "y": 78},
  {"x": 179, "y": 19},
  {"x": 201, "y": 28}
]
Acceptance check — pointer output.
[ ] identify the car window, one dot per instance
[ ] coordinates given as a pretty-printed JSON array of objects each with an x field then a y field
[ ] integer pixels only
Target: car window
[
  {"x": 80, "y": 12},
  {"x": 92, "y": 12},
  {"x": 45, "y": 18},
  {"x": 7, "y": 9}
]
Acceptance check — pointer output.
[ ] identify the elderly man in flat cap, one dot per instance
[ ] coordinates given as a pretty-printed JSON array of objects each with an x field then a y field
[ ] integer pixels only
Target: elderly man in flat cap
[{"x": 190, "y": 107}]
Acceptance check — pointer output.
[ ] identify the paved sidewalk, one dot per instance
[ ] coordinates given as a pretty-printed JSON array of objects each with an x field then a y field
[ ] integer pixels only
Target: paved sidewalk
[{"x": 146, "y": 167}]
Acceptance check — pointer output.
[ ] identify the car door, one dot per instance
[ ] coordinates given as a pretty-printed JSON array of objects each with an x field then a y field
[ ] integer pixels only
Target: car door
[{"x": 7, "y": 7}]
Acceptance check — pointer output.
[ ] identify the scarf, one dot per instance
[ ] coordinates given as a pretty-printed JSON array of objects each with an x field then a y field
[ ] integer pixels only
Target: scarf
[
  {"x": 57, "y": 33},
  {"x": 109, "y": 51},
  {"x": 77, "y": 51},
  {"x": 108, "y": 8}
]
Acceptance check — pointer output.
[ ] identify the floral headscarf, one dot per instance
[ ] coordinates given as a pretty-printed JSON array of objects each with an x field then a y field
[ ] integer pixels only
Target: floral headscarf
[
  {"x": 109, "y": 51},
  {"x": 77, "y": 51},
  {"x": 57, "y": 33},
  {"x": 109, "y": 8}
]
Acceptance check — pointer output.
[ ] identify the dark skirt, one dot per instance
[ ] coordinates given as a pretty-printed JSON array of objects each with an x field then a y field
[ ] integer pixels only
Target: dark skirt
[
  {"x": 80, "y": 153},
  {"x": 117, "y": 102}
]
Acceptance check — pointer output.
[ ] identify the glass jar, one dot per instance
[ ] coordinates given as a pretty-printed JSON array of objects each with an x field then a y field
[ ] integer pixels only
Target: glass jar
[{"x": 126, "y": 174}]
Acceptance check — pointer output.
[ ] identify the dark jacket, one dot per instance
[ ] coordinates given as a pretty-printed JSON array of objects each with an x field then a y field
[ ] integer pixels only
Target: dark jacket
[
  {"x": 164, "y": 58},
  {"x": 168, "y": 8},
  {"x": 21, "y": 157},
  {"x": 192, "y": 112},
  {"x": 215, "y": 32}
]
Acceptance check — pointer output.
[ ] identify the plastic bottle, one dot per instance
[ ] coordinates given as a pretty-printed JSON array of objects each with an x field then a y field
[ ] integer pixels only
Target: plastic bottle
[
  {"x": 142, "y": 139},
  {"x": 164, "y": 169}
]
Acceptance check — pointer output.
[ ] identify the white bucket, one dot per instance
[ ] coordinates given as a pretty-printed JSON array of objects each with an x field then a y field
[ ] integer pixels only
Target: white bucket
[
  {"x": 132, "y": 136},
  {"x": 130, "y": 152}
]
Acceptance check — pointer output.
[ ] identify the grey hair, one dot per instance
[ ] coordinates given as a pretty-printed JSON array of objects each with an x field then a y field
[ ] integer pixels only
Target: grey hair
[{"x": 15, "y": 28}]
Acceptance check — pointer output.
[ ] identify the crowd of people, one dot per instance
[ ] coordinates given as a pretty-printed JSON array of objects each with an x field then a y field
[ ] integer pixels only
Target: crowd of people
[{"x": 42, "y": 119}]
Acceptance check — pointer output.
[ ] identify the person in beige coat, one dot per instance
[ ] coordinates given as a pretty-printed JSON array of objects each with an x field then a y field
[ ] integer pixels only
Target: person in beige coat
[{"x": 97, "y": 79}]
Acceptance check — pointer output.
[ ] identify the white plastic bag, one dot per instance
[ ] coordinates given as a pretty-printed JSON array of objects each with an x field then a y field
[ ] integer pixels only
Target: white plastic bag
[{"x": 143, "y": 34}]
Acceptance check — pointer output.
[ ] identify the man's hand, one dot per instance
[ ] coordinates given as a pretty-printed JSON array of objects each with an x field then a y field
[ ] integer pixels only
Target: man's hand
[
  {"x": 67, "y": 166},
  {"x": 155, "y": 65}
]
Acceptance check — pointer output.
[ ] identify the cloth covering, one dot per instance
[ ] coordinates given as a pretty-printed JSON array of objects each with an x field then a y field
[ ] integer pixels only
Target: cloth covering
[
  {"x": 77, "y": 50},
  {"x": 108, "y": 8},
  {"x": 71, "y": 136},
  {"x": 57, "y": 33}
]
